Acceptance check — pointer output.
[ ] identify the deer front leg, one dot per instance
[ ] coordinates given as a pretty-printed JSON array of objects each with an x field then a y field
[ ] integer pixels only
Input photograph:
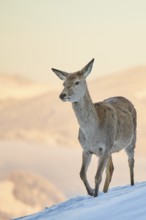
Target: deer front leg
[
  {"x": 109, "y": 173},
  {"x": 101, "y": 166},
  {"x": 86, "y": 159}
]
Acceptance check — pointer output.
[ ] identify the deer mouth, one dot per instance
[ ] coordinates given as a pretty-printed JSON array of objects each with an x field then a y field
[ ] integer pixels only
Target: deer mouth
[{"x": 65, "y": 99}]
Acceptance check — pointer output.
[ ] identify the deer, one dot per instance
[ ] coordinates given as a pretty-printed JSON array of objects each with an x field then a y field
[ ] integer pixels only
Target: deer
[{"x": 105, "y": 127}]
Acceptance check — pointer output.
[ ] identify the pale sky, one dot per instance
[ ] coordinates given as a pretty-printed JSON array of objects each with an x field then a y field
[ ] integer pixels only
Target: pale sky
[{"x": 36, "y": 35}]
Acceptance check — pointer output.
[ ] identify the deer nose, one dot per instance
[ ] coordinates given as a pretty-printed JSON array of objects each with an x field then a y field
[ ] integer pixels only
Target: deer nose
[{"x": 62, "y": 95}]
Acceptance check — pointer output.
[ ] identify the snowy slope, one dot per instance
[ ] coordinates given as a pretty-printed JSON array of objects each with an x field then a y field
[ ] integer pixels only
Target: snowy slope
[{"x": 120, "y": 203}]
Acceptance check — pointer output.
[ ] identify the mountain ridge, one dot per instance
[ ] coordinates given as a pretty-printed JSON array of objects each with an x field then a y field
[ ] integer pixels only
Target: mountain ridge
[{"x": 127, "y": 202}]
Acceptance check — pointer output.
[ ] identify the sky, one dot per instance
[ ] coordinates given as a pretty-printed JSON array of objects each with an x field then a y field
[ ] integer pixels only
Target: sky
[{"x": 36, "y": 35}]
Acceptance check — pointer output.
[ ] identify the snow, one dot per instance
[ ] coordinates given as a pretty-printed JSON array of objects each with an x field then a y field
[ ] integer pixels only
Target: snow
[{"x": 120, "y": 203}]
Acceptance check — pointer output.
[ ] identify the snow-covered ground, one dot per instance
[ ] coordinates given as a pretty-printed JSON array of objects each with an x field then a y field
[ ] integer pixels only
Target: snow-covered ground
[{"x": 120, "y": 203}]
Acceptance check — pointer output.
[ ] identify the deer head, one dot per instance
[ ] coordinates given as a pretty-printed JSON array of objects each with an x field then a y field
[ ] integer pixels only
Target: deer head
[{"x": 74, "y": 83}]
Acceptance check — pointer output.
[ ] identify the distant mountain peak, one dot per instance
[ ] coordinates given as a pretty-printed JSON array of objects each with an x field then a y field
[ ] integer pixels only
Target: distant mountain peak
[{"x": 14, "y": 79}]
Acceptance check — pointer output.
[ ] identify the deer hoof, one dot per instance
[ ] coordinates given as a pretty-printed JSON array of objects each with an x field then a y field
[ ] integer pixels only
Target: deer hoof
[{"x": 91, "y": 192}]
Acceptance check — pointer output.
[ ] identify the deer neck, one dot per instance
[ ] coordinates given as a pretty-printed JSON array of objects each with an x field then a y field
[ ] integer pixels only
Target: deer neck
[{"x": 85, "y": 112}]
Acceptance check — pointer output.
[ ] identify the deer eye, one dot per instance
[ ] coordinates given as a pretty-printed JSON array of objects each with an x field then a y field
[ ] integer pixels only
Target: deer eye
[{"x": 77, "y": 83}]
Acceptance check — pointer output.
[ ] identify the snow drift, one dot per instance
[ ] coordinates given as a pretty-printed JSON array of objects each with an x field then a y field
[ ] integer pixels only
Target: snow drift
[{"x": 128, "y": 202}]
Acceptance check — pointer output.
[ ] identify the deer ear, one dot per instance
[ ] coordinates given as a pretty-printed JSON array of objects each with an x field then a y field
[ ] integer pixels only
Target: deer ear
[
  {"x": 61, "y": 74},
  {"x": 87, "y": 69}
]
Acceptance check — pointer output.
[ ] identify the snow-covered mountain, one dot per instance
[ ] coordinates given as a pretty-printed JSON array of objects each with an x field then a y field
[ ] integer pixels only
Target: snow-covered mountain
[
  {"x": 22, "y": 193},
  {"x": 128, "y": 202}
]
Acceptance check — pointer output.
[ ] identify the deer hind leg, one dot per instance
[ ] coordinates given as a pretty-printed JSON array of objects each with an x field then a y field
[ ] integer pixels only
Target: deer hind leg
[
  {"x": 83, "y": 173},
  {"x": 130, "y": 153},
  {"x": 109, "y": 173}
]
